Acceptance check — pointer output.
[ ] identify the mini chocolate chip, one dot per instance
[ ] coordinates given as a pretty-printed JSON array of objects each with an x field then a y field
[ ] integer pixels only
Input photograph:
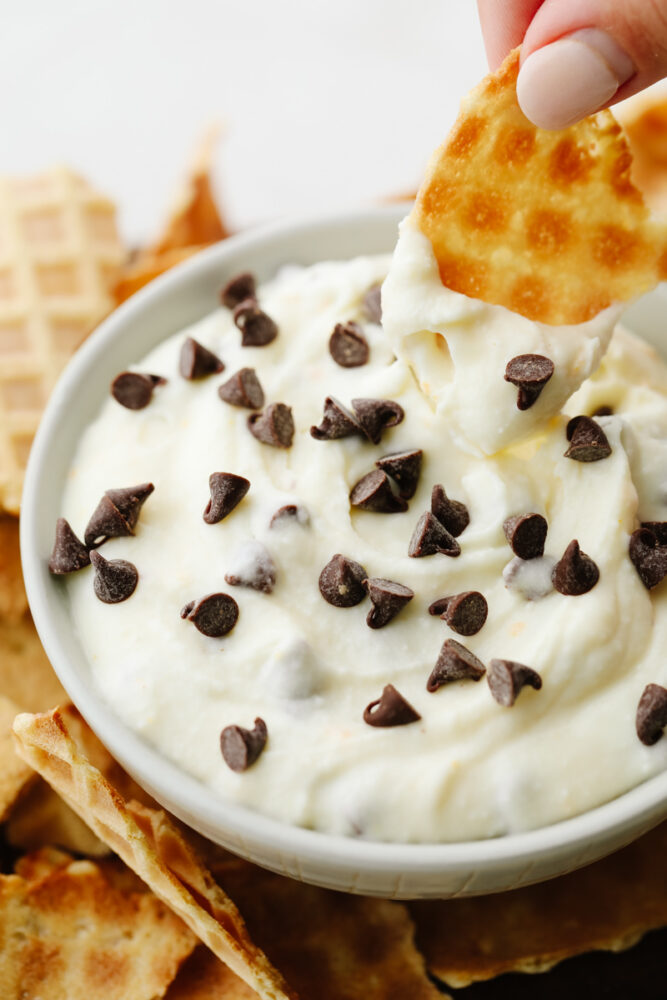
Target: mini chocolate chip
[
  {"x": 430, "y": 537},
  {"x": 196, "y": 361},
  {"x": 129, "y": 500},
  {"x": 252, "y": 566},
  {"x": 387, "y": 598},
  {"x": 374, "y": 492},
  {"x": 213, "y": 615},
  {"x": 275, "y": 426},
  {"x": 452, "y": 514},
  {"x": 227, "y": 491},
  {"x": 651, "y": 716},
  {"x": 404, "y": 467},
  {"x": 531, "y": 578},
  {"x": 575, "y": 573},
  {"x": 342, "y": 582},
  {"x": 390, "y": 709},
  {"x": 241, "y": 747},
  {"x": 454, "y": 663},
  {"x": 506, "y": 679},
  {"x": 134, "y": 390},
  {"x": 290, "y": 513},
  {"x": 337, "y": 422},
  {"x": 241, "y": 286},
  {"x": 529, "y": 373},
  {"x": 348, "y": 346},
  {"x": 106, "y": 522},
  {"x": 376, "y": 416},
  {"x": 115, "y": 579},
  {"x": 603, "y": 411},
  {"x": 69, "y": 554},
  {"x": 243, "y": 389},
  {"x": 588, "y": 442},
  {"x": 464, "y": 613},
  {"x": 659, "y": 529},
  {"x": 256, "y": 327},
  {"x": 116, "y": 514},
  {"x": 648, "y": 557},
  {"x": 372, "y": 304},
  {"x": 526, "y": 534}
]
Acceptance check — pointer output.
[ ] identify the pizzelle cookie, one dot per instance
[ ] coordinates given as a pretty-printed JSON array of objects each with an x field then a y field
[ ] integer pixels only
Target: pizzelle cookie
[
  {"x": 70, "y": 929},
  {"x": 547, "y": 224},
  {"x": 60, "y": 255},
  {"x": 150, "y": 844}
]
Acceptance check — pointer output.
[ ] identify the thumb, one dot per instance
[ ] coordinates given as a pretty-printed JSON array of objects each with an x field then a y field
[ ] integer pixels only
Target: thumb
[{"x": 579, "y": 56}]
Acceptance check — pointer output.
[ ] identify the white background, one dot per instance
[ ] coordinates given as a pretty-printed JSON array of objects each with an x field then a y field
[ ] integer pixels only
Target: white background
[{"x": 326, "y": 103}]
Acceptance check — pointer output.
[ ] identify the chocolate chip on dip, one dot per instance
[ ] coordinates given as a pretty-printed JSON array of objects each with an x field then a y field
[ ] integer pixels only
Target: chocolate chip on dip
[
  {"x": 241, "y": 747},
  {"x": 372, "y": 304},
  {"x": 117, "y": 514},
  {"x": 243, "y": 389},
  {"x": 69, "y": 553},
  {"x": 387, "y": 598},
  {"x": 651, "y": 716},
  {"x": 376, "y": 416},
  {"x": 530, "y": 578},
  {"x": 404, "y": 467},
  {"x": 275, "y": 426},
  {"x": 526, "y": 534},
  {"x": 252, "y": 566},
  {"x": 240, "y": 287},
  {"x": 452, "y": 514},
  {"x": 337, "y": 422},
  {"x": 213, "y": 615},
  {"x": 455, "y": 663},
  {"x": 390, "y": 709},
  {"x": 430, "y": 537},
  {"x": 648, "y": 556},
  {"x": 342, "y": 582},
  {"x": 348, "y": 346},
  {"x": 257, "y": 328},
  {"x": 227, "y": 491},
  {"x": 115, "y": 579},
  {"x": 588, "y": 442},
  {"x": 196, "y": 361},
  {"x": 529, "y": 373},
  {"x": 576, "y": 573},
  {"x": 506, "y": 678},
  {"x": 659, "y": 529},
  {"x": 290, "y": 513},
  {"x": 134, "y": 390},
  {"x": 374, "y": 492},
  {"x": 465, "y": 613}
]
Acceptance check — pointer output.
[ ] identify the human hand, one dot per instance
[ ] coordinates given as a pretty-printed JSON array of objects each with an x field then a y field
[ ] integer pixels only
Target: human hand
[{"x": 577, "y": 56}]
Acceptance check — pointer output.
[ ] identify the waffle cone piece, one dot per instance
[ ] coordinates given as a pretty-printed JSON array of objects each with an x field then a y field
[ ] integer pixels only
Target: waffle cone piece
[
  {"x": 70, "y": 929},
  {"x": 151, "y": 845},
  {"x": 60, "y": 255},
  {"x": 547, "y": 224},
  {"x": 194, "y": 223}
]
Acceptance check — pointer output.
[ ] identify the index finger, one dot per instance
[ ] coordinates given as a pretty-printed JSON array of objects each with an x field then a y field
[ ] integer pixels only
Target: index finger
[{"x": 504, "y": 23}]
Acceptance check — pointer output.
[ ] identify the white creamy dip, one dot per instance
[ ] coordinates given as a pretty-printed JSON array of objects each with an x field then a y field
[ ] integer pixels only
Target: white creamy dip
[{"x": 470, "y": 768}]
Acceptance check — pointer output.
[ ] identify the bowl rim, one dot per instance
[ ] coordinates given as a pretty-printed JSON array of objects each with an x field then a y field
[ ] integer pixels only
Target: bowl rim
[{"x": 190, "y": 798}]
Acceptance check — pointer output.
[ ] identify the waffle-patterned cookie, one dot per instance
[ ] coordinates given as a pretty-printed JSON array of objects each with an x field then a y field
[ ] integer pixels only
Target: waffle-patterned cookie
[
  {"x": 60, "y": 255},
  {"x": 150, "y": 844},
  {"x": 547, "y": 224}
]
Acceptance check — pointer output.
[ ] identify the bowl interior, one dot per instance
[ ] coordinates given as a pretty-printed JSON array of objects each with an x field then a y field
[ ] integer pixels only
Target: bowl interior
[{"x": 170, "y": 303}]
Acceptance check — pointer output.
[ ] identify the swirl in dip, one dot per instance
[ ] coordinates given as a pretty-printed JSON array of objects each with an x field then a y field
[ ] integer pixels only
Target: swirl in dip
[{"x": 465, "y": 764}]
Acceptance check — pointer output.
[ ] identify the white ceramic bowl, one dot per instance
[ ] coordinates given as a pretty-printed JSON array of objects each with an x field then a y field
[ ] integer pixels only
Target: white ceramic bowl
[{"x": 394, "y": 870}]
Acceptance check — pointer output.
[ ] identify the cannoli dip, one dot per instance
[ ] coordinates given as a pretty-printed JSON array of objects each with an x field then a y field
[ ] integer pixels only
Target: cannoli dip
[{"x": 435, "y": 612}]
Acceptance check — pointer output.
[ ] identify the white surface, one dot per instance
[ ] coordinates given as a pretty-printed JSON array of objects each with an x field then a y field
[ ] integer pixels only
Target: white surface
[
  {"x": 327, "y": 103},
  {"x": 399, "y": 870}
]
